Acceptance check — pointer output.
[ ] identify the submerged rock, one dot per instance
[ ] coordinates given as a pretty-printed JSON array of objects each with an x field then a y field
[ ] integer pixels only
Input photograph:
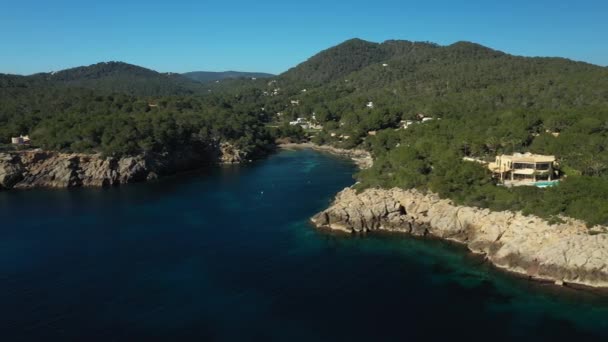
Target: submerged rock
[{"x": 528, "y": 245}]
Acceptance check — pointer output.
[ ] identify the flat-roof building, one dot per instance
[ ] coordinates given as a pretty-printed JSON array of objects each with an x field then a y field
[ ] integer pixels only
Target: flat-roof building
[{"x": 525, "y": 167}]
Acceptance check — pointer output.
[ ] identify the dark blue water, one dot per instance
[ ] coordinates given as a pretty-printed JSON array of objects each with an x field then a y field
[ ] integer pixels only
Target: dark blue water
[{"x": 228, "y": 255}]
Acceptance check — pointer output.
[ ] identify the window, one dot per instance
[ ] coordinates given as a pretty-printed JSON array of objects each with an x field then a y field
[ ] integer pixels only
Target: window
[{"x": 543, "y": 167}]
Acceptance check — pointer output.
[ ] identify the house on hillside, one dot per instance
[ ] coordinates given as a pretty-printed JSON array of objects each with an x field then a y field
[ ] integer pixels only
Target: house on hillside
[
  {"x": 302, "y": 122},
  {"x": 21, "y": 140},
  {"x": 523, "y": 169}
]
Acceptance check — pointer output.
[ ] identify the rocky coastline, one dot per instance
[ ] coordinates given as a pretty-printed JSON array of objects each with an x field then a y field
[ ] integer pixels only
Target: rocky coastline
[
  {"x": 361, "y": 158},
  {"x": 48, "y": 169},
  {"x": 567, "y": 253}
]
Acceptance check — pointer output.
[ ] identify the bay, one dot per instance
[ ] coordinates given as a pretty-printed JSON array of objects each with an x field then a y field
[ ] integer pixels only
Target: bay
[{"x": 228, "y": 254}]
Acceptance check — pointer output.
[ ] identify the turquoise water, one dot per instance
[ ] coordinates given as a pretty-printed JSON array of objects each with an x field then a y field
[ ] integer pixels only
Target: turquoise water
[
  {"x": 228, "y": 255},
  {"x": 546, "y": 184}
]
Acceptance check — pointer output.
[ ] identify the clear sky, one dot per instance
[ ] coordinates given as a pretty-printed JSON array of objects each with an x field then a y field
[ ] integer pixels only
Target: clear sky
[{"x": 274, "y": 35}]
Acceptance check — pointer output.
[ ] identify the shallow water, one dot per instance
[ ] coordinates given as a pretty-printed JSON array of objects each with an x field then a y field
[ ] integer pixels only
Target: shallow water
[{"x": 228, "y": 255}]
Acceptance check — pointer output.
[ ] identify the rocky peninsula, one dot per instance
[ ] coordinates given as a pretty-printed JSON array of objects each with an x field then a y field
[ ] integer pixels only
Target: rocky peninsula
[
  {"x": 48, "y": 169},
  {"x": 567, "y": 253}
]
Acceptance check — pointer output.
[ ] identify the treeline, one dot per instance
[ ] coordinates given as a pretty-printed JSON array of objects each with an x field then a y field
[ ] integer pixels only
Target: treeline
[{"x": 81, "y": 120}]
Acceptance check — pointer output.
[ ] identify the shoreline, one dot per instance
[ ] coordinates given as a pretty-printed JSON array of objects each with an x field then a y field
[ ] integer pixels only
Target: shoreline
[
  {"x": 362, "y": 158},
  {"x": 38, "y": 168},
  {"x": 566, "y": 255},
  {"x": 58, "y": 170},
  {"x": 480, "y": 258}
]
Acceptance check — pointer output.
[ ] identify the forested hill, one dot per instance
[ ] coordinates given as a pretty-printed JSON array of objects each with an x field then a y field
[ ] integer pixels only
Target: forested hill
[
  {"x": 482, "y": 103},
  {"x": 350, "y": 56},
  {"x": 360, "y": 61},
  {"x": 210, "y": 76},
  {"x": 121, "y": 109},
  {"x": 109, "y": 77},
  {"x": 459, "y": 79}
]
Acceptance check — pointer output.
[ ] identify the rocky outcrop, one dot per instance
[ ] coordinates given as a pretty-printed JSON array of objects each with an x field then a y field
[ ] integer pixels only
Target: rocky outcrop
[
  {"x": 32, "y": 169},
  {"x": 229, "y": 154},
  {"x": 565, "y": 253}
]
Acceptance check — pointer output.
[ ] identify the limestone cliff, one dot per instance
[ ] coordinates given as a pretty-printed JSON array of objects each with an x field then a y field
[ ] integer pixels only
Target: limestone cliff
[
  {"x": 528, "y": 245},
  {"x": 31, "y": 169}
]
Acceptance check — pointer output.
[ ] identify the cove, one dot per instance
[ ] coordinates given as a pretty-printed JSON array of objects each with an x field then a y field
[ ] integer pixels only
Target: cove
[{"x": 228, "y": 254}]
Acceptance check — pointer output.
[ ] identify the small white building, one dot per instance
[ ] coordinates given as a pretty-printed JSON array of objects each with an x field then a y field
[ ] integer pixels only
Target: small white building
[
  {"x": 21, "y": 140},
  {"x": 295, "y": 102},
  {"x": 370, "y": 104},
  {"x": 299, "y": 121}
]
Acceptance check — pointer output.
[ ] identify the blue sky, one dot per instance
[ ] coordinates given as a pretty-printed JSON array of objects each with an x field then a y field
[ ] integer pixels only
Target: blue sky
[{"x": 271, "y": 36}]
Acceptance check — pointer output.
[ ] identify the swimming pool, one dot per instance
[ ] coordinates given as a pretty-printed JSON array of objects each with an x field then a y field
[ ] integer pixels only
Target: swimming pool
[{"x": 546, "y": 184}]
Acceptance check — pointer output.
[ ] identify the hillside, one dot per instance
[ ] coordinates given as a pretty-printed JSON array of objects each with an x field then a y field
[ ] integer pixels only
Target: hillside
[
  {"x": 210, "y": 76},
  {"x": 481, "y": 103},
  {"x": 120, "y": 109},
  {"x": 412, "y": 77},
  {"x": 350, "y": 56},
  {"x": 109, "y": 77}
]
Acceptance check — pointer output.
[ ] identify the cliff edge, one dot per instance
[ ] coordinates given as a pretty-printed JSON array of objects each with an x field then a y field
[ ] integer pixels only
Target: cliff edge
[
  {"x": 565, "y": 253},
  {"x": 37, "y": 168}
]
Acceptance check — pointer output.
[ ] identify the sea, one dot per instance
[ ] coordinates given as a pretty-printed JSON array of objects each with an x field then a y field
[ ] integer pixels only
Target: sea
[{"x": 228, "y": 254}]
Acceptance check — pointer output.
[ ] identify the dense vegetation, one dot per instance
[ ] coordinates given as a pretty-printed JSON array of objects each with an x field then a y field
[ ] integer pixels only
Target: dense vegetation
[
  {"x": 484, "y": 102},
  {"x": 111, "y": 77},
  {"x": 210, "y": 76},
  {"x": 60, "y": 116},
  {"x": 488, "y": 103}
]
